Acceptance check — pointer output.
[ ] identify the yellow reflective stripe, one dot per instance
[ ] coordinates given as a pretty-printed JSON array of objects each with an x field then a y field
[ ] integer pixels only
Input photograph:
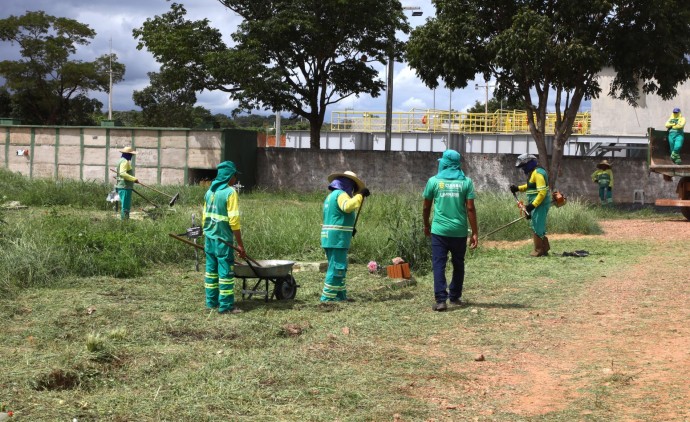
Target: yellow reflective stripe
[
  {"x": 211, "y": 285},
  {"x": 329, "y": 295},
  {"x": 216, "y": 217},
  {"x": 537, "y": 190},
  {"x": 222, "y": 292},
  {"x": 227, "y": 282},
  {"x": 211, "y": 275},
  {"x": 332, "y": 287},
  {"x": 336, "y": 227},
  {"x": 233, "y": 213}
]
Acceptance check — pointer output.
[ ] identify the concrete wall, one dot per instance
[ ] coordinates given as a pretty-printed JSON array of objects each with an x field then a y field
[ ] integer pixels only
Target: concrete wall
[
  {"x": 306, "y": 170},
  {"x": 617, "y": 117},
  {"x": 164, "y": 156}
]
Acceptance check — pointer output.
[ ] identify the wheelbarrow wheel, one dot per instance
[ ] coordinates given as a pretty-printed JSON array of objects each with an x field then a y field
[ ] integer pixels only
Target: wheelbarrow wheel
[{"x": 286, "y": 288}]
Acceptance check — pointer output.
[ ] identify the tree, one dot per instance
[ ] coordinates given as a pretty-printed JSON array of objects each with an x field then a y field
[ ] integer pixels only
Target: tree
[
  {"x": 46, "y": 86},
  {"x": 165, "y": 104},
  {"x": 298, "y": 56},
  {"x": 496, "y": 104},
  {"x": 543, "y": 46}
]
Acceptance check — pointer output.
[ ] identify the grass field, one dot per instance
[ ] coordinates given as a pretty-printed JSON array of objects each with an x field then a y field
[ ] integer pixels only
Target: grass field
[{"x": 105, "y": 321}]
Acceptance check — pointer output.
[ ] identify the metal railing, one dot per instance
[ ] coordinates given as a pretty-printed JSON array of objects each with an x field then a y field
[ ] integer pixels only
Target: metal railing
[{"x": 440, "y": 121}]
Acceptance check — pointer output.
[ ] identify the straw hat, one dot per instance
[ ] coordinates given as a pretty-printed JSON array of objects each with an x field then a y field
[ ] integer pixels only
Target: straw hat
[
  {"x": 128, "y": 150},
  {"x": 350, "y": 175},
  {"x": 604, "y": 165}
]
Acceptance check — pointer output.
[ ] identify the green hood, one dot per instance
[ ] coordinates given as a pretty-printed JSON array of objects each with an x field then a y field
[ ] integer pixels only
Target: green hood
[{"x": 226, "y": 170}]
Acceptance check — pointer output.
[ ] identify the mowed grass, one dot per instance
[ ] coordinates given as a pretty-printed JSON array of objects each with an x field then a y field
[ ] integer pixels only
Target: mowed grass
[
  {"x": 106, "y": 321},
  {"x": 145, "y": 348}
]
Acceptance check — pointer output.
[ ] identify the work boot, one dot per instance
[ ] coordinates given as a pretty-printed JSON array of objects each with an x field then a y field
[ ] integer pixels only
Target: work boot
[
  {"x": 546, "y": 247},
  {"x": 538, "y": 246}
]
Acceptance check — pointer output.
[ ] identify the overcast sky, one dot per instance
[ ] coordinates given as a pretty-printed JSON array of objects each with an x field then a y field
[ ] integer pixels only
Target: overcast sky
[{"x": 117, "y": 18}]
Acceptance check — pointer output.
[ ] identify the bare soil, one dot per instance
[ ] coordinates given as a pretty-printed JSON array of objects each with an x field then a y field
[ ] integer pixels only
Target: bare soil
[{"x": 620, "y": 351}]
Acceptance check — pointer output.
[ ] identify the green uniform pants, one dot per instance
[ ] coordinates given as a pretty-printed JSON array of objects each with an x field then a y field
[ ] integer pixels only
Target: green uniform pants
[
  {"x": 675, "y": 143},
  {"x": 538, "y": 221},
  {"x": 125, "y": 202},
  {"x": 334, "y": 286},
  {"x": 219, "y": 280},
  {"x": 605, "y": 194}
]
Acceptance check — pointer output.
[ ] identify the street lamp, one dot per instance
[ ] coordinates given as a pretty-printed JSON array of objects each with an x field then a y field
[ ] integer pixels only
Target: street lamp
[{"x": 416, "y": 11}]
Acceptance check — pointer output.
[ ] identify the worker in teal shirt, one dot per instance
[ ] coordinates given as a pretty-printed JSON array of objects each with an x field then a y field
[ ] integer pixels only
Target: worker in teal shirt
[
  {"x": 221, "y": 223},
  {"x": 452, "y": 195},
  {"x": 125, "y": 181},
  {"x": 675, "y": 125},
  {"x": 339, "y": 214},
  {"x": 538, "y": 200}
]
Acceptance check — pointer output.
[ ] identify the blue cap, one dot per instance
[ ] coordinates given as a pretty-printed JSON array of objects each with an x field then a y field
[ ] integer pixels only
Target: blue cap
[{"x": 676, "y": 110}]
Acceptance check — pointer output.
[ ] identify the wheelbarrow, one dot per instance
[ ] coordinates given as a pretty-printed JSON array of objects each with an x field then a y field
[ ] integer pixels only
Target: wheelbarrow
[
  {"x": 277, "y": 272},
  {"x": 273, "y": 271}
]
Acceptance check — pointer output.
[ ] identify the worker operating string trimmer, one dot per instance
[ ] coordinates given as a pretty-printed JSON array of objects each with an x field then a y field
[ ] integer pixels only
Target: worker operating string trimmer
[{"x": 538, "y": 200}]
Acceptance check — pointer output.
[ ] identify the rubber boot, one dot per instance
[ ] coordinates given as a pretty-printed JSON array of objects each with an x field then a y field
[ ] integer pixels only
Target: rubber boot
[
  {"x": 545, "y": 246},
  {"x": 538, "y": 245}
]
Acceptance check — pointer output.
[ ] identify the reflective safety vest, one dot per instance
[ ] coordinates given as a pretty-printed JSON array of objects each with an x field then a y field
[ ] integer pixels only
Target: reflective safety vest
[
  {"x": 216, "y": 218},
  {"x": 336, "y": 231}
]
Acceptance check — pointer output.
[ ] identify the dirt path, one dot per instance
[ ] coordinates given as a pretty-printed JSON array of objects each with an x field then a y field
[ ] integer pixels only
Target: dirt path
[{"x": 623, "y": 346}]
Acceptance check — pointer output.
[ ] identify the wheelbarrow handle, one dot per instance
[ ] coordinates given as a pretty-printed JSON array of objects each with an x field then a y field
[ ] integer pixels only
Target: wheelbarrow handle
[
  {"x": 183, "y": 240},
  {"x": 248, "y": 258}
]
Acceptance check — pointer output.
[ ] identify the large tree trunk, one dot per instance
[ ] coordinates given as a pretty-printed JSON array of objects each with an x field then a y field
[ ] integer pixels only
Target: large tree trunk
[{"x": 314, "y": 134}]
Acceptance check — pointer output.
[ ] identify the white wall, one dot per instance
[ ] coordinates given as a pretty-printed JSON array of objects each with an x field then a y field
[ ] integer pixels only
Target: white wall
[{"x": 617, "y": 117}]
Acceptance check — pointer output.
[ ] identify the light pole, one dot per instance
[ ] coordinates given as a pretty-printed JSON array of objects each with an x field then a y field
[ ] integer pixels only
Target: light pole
[
  {"x": 416, "y": 11},
  {"x": 486, "y": 100}
]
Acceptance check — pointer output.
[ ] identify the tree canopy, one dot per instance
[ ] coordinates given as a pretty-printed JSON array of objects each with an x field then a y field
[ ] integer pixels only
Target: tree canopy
[
  {"x": 298, "y": 56},
  {"x": 546, "y": 47},
  {"x": 45, "y": 85}
]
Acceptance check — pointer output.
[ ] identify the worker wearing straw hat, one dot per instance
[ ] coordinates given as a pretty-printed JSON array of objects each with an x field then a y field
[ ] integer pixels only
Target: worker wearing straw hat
[
  {"x": 347, "y": 193},
  {"x": 125, "y": 181},
  {"x": 604, "y": 177}
]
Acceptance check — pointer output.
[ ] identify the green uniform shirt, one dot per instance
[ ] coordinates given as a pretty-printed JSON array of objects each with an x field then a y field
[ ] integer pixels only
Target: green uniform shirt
[
  {"x": 338, "y": 219},
  {"x": 450, "y": 212},
  {"x": 603, "y": 177},
  {"x": 221, "y": 214}
]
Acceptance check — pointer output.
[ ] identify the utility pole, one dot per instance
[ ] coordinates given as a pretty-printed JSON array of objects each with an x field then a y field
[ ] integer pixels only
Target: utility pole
[
  {"x": 486, "y": 87},
  {"x": 416, "y": 11},
  {"x": 278, "y": 129},
  {"x": 110, "y": 83}
]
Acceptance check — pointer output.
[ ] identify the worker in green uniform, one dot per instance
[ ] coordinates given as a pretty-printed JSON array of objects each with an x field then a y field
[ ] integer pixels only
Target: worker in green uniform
[
  {"x": 538, "y": 198},
  {"x": 339, "y": 214},
  {"x": 125, "y": 181},
  {"x": 675, "y": 125},
  {"x": 451, "y": 194},
  {"x": 221, "y": 222},
  {"x": 604, "y": 177}
]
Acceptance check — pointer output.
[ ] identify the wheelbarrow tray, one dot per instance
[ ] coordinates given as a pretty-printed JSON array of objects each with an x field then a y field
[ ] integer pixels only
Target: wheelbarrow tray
[{"x": 270, "y": 268}]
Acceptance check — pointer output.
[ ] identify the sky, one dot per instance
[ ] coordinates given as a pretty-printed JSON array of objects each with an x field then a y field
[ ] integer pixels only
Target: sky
[{"x": 116, "y": 19}]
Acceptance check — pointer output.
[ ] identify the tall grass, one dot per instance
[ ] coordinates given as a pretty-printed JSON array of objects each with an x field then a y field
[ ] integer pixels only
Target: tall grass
[{"x": 70, "y": 230}]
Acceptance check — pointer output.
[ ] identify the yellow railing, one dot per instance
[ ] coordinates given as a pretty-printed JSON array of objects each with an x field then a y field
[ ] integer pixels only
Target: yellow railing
[{"x": 506, "y": 121}]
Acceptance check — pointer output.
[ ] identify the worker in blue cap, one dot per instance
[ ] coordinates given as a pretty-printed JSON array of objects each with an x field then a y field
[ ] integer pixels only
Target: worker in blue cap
[
  {"x": 221, "y": 221},
  {"x": 675, "y": 125}
]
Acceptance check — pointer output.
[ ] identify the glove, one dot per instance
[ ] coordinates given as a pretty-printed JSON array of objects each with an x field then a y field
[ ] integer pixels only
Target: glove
[
  {"x": 354, "y": 232},
  {"x": 529, "y": 208},
  {"x": 365, "y": 192},
  {"x": 136, "y": 180},
  {"x": 514, "y": 189}
]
